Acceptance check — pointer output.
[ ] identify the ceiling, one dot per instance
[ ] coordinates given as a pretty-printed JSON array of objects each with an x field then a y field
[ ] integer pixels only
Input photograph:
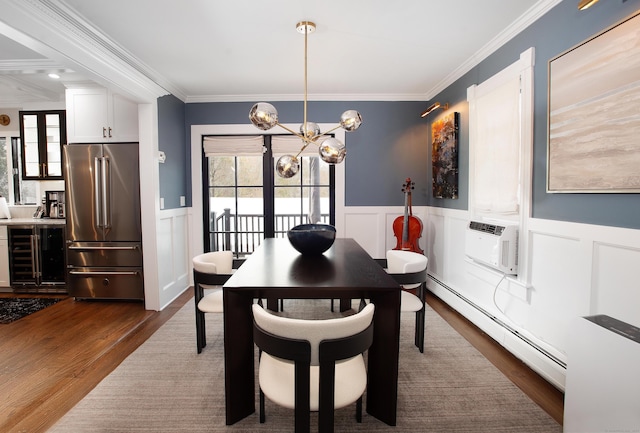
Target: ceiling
[{"x": 245, "y": 50}]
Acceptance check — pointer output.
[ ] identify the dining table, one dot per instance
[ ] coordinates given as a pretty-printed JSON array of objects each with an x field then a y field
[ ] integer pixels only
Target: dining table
[{"x": 275, "y": 271}]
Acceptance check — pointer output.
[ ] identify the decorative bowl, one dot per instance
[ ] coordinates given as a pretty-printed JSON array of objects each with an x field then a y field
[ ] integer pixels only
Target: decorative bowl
[{"x": 312, "y": 239}]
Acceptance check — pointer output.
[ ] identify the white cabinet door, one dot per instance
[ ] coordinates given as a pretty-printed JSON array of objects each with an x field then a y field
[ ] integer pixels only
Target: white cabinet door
[
  {"x": 124, "y": 119},
  {"x": 87, "y": 114},
  {"x": 4, "y": 258},
  {"x": 96, "y": 115}
]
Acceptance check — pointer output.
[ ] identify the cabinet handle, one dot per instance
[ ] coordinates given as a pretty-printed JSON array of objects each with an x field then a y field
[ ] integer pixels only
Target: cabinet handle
[
  {"x": 104, "y": 132},
  {"x": 109, "y": 132},
  {"x": 97, "y": 273}
]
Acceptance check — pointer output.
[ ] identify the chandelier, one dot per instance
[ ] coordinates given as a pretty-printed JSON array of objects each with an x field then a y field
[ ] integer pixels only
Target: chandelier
[{"x": 265, "y": 116}]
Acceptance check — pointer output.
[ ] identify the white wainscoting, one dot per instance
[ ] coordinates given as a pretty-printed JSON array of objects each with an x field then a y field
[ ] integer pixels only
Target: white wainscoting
[
  {"x": 173, "y": 254},
  {"x": 573, "y": 270}
]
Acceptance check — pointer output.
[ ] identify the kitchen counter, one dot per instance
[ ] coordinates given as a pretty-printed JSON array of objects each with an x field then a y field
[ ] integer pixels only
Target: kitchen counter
[{"x": 27, "y": 221}]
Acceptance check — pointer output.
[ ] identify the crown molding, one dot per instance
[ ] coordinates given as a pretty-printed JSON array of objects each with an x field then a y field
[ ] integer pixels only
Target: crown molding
[
  {"x": 310, "y": 97},
  {"x": 53, "y": 29},
  {"x": 529, "y": 17}
]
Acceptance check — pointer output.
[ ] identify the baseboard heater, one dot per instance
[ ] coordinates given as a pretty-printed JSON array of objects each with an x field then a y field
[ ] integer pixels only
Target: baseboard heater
[{"x": 502, "y": 324}]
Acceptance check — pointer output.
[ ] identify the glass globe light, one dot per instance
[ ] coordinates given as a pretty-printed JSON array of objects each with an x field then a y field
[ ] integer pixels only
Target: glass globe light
[
  {"x": 350, "y": 120},
  {"x": 263, "y": 115},
  {"x": 332, "y": 151},
  {"x": 287, "y": 166},
  {"x": 313, "y": 130}
]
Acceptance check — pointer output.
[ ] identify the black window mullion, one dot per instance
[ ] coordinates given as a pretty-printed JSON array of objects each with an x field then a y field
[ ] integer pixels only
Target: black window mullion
[
  {"x": 206, "y": 191},
  {"x": 268, "y": 182}
]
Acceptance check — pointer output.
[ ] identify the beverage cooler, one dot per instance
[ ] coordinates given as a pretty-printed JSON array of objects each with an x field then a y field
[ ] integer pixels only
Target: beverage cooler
[{"x": 37, "y": 258}]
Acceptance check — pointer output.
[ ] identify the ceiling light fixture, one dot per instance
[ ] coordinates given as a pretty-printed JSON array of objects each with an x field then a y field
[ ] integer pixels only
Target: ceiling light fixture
[
  {"x": 585, "y": 4},
  {"x": 54, "y": 76},
  {"x": 265, "y": 116},
  {"x": 433, "y": 107}
]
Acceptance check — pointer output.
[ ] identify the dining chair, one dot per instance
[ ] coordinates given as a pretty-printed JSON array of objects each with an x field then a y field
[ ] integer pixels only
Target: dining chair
[
  {"x": 409, "y": 270},
  {"x": 210, "y": 271},
  {"x": 312, "y": 365}
]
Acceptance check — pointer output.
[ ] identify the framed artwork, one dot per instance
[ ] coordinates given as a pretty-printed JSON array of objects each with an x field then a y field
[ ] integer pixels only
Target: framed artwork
[
  {"x": 444, "y": 156},
  {"x": 594, "y": 114}
]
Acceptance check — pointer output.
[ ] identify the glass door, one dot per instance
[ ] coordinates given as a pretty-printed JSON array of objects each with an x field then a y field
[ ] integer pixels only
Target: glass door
[
  {"x": 52, "y": 263},
  {"x": 245, "y": 201}
]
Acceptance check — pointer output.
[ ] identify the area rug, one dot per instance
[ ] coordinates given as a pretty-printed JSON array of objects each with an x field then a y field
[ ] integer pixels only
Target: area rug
[
  {"x": 12, "y": 309},
  {"x": 166, "y": 387}
]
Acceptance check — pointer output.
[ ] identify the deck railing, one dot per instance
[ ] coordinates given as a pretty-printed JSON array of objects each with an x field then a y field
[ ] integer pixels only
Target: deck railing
[{"x": 242, "y": 234}]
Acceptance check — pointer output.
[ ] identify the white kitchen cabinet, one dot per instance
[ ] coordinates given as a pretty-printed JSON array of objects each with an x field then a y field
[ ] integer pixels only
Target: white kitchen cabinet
[
  {"x": 4, "y": 258},
  {"x": 97, "y": 115}
]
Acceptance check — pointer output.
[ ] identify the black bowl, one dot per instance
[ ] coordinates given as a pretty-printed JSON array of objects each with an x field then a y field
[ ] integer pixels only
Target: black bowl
[{"x": 312, "y": 239}]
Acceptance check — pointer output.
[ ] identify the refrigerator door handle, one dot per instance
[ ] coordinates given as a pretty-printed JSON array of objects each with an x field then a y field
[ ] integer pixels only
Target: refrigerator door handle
[
  {"x": 88, "y": 248},
  {"x": 97, "y": 168},
  {"x": 106, "y": 192}
]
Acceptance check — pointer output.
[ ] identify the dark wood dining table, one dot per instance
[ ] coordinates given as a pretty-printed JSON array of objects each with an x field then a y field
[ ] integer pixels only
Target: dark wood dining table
[{"x": 277, "y": 271}]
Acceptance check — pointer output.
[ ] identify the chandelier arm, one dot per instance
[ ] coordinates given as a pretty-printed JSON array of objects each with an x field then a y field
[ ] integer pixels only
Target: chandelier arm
[
  {"x": 304, "y": 146},
  {"x": 329, "y": 131},
  {"x": 300, "y": 136}
]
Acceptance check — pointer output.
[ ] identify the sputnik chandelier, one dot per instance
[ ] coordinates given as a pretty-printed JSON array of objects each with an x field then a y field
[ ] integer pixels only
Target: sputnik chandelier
[{"x": 265, "y": 116}]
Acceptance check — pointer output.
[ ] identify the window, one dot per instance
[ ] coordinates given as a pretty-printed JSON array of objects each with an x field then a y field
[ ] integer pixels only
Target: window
[
  {"x": 12, "y": 187},
  {"x": 501, "y": 150},
  {"x": 500, "y": 142},
  {"x": 42, "y": 134},
  {"x": 245, "y": 201},
  {"x": 5, "y": 160}
]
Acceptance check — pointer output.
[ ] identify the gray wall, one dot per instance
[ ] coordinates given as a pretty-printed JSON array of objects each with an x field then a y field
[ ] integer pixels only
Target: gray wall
[
  {"x": 172, "y": 141},
  {"x": 394, "y": 142},
  {"x": 391, "y": 145}
]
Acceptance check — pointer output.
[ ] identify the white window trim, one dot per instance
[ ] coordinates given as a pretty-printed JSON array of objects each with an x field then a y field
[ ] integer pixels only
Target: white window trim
[{"x": 522, "y": 68}]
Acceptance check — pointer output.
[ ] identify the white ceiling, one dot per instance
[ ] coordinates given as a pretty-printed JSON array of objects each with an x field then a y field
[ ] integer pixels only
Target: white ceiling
[{"x": 246, "y": 50}]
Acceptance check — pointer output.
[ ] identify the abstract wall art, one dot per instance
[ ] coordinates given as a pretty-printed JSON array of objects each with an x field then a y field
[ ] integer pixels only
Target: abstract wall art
[
  {"x": 594, "y": 114},
  {"x": 444, "y": 156}
]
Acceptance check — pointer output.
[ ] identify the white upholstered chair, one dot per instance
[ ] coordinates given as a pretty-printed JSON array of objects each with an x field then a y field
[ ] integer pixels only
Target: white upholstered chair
[
  {"x": 409, "y": 269},
  {"x": 210, "y": 271},
  {"x": 312, "y": 365}
]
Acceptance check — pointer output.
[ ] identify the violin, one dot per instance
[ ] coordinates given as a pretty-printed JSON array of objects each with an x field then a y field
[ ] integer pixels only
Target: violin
[{"x": 408, "y": 228}]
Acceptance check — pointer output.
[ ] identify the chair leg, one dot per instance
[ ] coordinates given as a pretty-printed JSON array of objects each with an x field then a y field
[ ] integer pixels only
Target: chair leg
[
  {"x": 201, "y": 336},
  {"x": 419, "y": 338},
  {"x": 359, "y": 410},
  {"x": 262, "y": 416},
  {"x": 363, "y": 304}
]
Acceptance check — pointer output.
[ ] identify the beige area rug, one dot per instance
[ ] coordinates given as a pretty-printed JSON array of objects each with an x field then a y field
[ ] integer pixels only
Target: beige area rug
[{"x": 165, "y": 386}]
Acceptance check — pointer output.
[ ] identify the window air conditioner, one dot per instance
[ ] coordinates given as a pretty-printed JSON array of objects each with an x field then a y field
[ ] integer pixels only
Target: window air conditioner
[{"x": 493, "y": 245}]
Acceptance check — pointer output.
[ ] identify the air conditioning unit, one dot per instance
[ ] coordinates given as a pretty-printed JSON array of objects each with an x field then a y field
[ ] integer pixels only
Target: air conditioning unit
[{"x": 493, "y": 245}]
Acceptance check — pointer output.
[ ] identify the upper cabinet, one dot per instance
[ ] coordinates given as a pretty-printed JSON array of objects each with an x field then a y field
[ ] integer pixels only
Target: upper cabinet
[
  {"x": 96, "y": 115},
  {"x": 42, "y": 134}
]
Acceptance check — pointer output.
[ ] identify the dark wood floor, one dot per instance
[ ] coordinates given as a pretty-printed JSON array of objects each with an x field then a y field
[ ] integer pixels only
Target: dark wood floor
[{"x": 51, "y": 359}]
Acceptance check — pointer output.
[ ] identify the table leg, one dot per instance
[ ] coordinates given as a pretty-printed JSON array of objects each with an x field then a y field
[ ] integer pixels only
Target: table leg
[
  {"x": 382, "y": 386},
  {"x": 238, "y": 356},
  {"x": 345, "y": 304}
]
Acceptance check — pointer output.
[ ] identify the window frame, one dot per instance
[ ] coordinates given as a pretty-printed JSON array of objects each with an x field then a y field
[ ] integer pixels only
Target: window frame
[
  {"x": 523, "y": 69},
  {"x": 269, "y": 187}
]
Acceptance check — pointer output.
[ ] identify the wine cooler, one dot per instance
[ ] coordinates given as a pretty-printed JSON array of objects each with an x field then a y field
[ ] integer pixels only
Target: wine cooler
[{"x": 37, "y": 258}]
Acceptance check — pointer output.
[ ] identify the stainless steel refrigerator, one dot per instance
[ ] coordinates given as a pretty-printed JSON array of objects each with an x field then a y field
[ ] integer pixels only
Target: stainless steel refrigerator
[{"x": 103, "y": 233}]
